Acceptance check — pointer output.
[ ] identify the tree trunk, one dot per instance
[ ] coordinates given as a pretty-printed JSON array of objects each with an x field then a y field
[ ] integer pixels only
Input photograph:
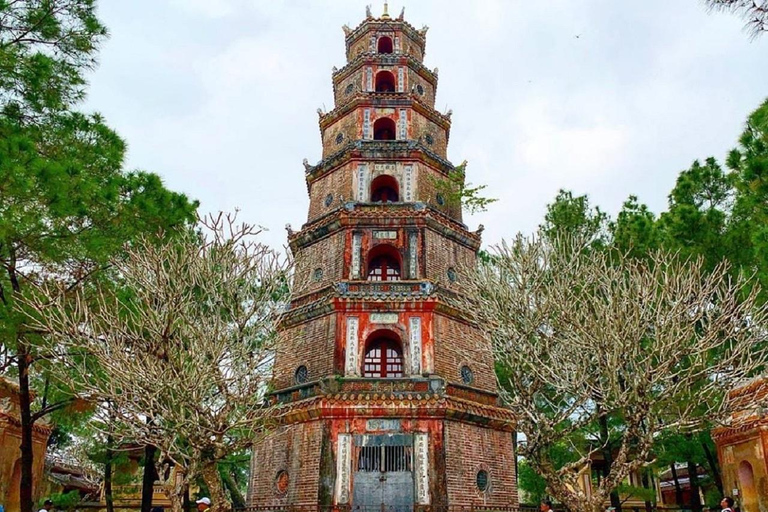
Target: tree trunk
[
  {"x": 179, "y": 493},
  {"x": 693, "y": 478},
  {"x": 23, "y": 360},
  {"x": 108, "y": 498},
  {"x": 647, "y": 485},
  {"x": 678, "y": 489},
  {"x": 187, "y": 501},
  {"x": 148, "y": 479},
  {"x": 27, "y": 457},
  {"x": 210, "y": 473},
  {"x": 238, "y": 501},
  {"x": 608, "y": 458},
  {"x": 714, "y": 469}
]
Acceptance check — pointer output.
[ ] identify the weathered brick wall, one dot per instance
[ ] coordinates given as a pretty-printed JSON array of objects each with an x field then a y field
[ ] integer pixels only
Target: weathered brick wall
[
  {"x": 473, "y": 448},
  {"x": 414, "y": 80},
  {"x": 458, "y": 344},
  {"x": 443, "y": 253},
  {"x": 422, "y": 129},
  {"x": 348, "y": 126},
  {"x": 408, "y": 45},
  {"x": 295, "y": 449},
  {"x": 324, "y": 257},
  {"x": 311, "y": 344},
  {"x": 338, "y": 183},
  {"x": 427, "y": 180},
  {"x": 350, "y": 86}
]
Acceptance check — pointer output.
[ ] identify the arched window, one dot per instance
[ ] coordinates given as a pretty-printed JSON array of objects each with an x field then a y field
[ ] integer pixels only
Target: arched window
[
  {"x": 384, "y": 129},
  {"x": 385, "y": 81},
  {"x": 384, "y": 264},
  {"x": 383, "y": 358},
  {"x": 385, "y": 44},
  {"x": 384, "y": 189}
]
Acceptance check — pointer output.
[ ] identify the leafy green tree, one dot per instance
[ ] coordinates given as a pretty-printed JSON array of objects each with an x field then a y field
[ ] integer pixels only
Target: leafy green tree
[
  {"x": 575, "y": 216},
  {"x": 635, "y": 231},
  {"x": 66, "y": 204},
  {"x": 696, "y": 223},
  {"x": 749, "y": 173},
  {"x": 45, "y": 48}
]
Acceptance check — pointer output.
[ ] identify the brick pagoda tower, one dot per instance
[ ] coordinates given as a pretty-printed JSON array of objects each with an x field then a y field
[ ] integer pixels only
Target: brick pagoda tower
[{"x": 386, "y": 393}]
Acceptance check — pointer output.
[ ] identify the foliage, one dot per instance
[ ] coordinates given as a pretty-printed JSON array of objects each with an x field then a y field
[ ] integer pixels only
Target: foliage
[
  {"x": 749, "y": 173},
  {"x": 574, "y": 216},
  {"x": 635, "y": 232},
  {"x": 754, "y": 12},
  {"x": 182, "y": 348},
  {"x": 46, "y": 46},
  {"x": 457, "y": 192},
  {"x": 67, "y": 204},
  {"x": 585, "y": 335}
]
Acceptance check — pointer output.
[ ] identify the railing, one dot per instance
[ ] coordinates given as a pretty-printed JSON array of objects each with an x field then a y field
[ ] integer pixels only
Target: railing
[
  {"x": 355, "y": 385},
  {"x": 385, "y": 508},
  {"x": 431, "y": 508},
  {"x": 385, "y": 288}
]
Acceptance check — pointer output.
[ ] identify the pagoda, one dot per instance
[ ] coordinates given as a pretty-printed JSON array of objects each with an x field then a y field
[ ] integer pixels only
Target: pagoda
[{"x": 385, "y": 392}]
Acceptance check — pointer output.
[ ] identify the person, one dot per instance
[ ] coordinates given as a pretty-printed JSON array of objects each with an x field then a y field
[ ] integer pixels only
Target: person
[
  {"x": 47, "y": 506},
  {"x": 546, "y": 506},
  {"x": 203, "y": 504},
  {"x": 727, "y": 504}
]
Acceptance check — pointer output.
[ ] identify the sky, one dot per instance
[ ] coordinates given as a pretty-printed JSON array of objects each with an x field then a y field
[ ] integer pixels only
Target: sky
[{"x": 602, "y": 97}]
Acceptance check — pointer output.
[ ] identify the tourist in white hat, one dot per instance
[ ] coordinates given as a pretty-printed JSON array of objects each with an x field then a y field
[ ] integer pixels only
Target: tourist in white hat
[{"x": 203, "y": 504}]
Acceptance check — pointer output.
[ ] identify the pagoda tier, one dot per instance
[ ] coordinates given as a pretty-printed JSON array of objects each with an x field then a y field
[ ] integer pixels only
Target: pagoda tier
[{"x": 385, "y": 392}]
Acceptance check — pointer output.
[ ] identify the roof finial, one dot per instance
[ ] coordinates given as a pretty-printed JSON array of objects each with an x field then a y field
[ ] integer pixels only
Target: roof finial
[{"x": 386, "y": 11}]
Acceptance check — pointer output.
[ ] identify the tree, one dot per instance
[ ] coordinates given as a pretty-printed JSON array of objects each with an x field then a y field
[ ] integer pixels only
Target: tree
[
  {"x": 67, "y": 206},
  {"x": 457, "y": 193},
  {"x": 635, "y": 230},
  {"x": 65, "y": 202},
  {"x": 182, "y": 349},
  {"x": 573, "y": 216},
  {"x": 754, "y": 12},
  {"x": 696, "y": 223},
  {"x": 585, "y": 335},
  {"x": 749, "y": 173},
  {"x": 46, "y": 46}
]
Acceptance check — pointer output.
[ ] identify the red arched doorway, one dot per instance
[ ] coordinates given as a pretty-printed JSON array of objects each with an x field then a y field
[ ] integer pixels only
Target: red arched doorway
[
  {"x": 383, "y": 356},
  {"x": 384, "y": 189},
  {"x": 385, "y": 81},
  {"x": 385, "y": 44},
  {"x": 384, "y": 129},
  {"x": 384, "y": 264},
  {"x": 747, "y": 486}
]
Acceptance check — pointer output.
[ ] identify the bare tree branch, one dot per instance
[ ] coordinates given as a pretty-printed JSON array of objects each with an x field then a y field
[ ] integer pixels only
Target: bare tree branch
[{"x": 585, "y": 334}]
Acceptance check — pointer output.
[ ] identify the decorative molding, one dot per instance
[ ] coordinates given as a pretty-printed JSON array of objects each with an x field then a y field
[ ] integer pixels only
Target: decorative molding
[
  {"x": 362, "y": 183},
  {"x": 408, "y": 183},
  {"x": 351, "y": 367},
  {"x": 369, "y": 79},
  {"x": 343, "y": 468},
  {"x": 367, "y": 124},
  {"x": 384, "y": 318},
  {"x": 414, "y": 328},
  {"x": 413, "y": 256},
  {"x": 357, "y": 242},
  {"x": 421, "y": 467}
]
